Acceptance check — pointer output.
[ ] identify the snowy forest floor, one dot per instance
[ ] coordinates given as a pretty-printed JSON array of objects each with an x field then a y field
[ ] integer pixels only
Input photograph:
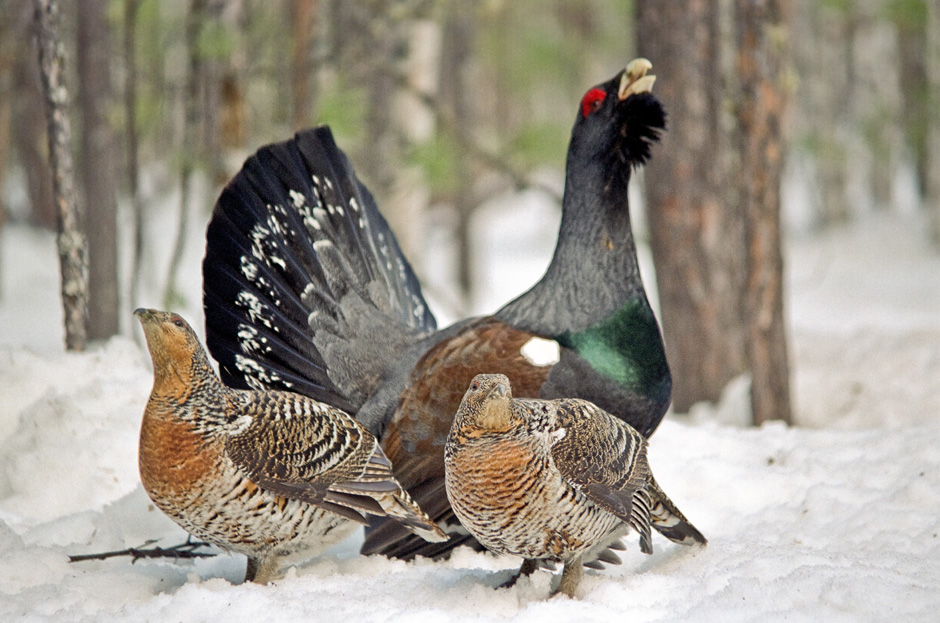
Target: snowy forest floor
[{"x": 837, "y": 518}]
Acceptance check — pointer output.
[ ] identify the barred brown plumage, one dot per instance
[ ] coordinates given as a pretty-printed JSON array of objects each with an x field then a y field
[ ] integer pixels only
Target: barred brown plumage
[
  {"x": 557, "y": 480},
  {"x": 267, "y": 474}
]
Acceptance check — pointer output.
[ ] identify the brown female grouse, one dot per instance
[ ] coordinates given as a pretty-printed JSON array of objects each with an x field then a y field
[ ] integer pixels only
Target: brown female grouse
[
  {"x": 552, "y": 480},
  {"x": 267, "y": 474}
]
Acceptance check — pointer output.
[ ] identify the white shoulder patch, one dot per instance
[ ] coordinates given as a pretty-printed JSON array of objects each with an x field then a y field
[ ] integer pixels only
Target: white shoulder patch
[{"x": 541, "y": 352}]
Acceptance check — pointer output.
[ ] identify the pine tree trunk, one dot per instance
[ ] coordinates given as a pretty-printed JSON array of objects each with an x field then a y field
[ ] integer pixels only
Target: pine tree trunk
[
  {"x": 30, "y": 133},
  {"x": 697, "y": 239},
  {"x": 7, "y": 61},
  {"x": 932, "y": 195},
  {"x": 97, "y": 167},
  {"x": 760, "y": 37},
  {"x": 192, "y": 144},
  {"x": 133, "y": 148},
  {"x": 71, "y": 238},
  {"x": 304, "y": 17},
  {"x": 456, "y": 101},
  {"x": 372, "y": 44},
  {"x": 912, "y": 46},
  {"x": 823, "y": 65}
]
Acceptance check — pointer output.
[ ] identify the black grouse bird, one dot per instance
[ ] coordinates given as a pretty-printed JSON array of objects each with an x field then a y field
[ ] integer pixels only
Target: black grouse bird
[{"x": 306, "y": 289}]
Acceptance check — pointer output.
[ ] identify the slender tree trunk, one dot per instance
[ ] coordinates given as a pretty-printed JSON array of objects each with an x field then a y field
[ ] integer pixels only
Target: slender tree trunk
[
  {"x": 304, "y": 25},
  {"x": 29, "y": 128},
  {"x": 932, "y": 195},
  {"x": 133, "y": 148},
  {"x": 823, "y": 55},
  {"x": 697, "y": 238},
  {"x": 97, "y": 167},
  {"x": 455, "y": 98},
  {"x": 912, "y": 47},
  {"x": 191, "y": 144},
  {"x": 761, "y": 37},
  {"x": 7, "y": 63},
  {"x": 876, "y": 100},
  {"x": 71, "y": 238},
  {"x": 372, "y": 41}
]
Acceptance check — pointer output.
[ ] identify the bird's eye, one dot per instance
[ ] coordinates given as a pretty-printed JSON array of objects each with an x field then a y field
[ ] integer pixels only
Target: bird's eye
[
  {"x": 591, "y": 101},
  {"x": 178, "y": 321},
  {"x": 474, "y": 386}
]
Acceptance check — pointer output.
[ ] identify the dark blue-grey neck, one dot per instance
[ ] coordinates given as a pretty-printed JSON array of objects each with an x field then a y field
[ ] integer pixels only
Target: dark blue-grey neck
[{"x": 594, "y": 270}]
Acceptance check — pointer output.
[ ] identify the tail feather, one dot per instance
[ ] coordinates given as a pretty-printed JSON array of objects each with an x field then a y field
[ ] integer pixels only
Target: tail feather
[
  {"x": 304, "y": 285},
  {"x": 669, "y": 521}
]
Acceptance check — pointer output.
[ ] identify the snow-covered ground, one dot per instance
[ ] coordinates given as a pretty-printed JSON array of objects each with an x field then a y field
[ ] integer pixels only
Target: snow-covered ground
[{"x": 836, "y": 519}]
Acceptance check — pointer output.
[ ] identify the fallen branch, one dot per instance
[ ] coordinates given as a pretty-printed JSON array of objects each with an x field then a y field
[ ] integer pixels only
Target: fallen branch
[{"x": 183, "y": 550}]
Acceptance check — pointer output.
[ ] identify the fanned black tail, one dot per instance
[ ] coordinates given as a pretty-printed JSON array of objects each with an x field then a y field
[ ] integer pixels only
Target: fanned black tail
[{"x": 304, "y": 285}]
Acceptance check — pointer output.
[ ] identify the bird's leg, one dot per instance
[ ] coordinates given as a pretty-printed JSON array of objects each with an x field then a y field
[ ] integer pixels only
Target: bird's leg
[
  {"x": 570, "y": 577},
  {"x": 528, "y": 567},
  {"x": 261, "y": 570},
  {"x": 251, "y": 569}
]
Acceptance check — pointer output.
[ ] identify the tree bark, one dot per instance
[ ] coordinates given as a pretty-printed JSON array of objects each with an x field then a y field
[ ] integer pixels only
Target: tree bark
[
  {"x": 29, "y": 124},
  {"x": 97, "y": 167},
  {"x": 192, "y": 143},
  {"x": 71, "y": 239},
  {"x": 824, "y": 59},
  {"x": 760, "y": 38},
  {"x": 304, "y": 22},
  {"x": 932, "y": 195},
  {"x": 133, "y": 143},
  {"x": 912, "y": 47},
  {"x": 697, "y": 238},
  {"x": 456, "y": 102}
]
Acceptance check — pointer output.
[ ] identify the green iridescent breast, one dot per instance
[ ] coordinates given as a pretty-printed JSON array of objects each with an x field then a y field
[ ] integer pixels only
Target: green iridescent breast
[{"x": 625, "y": 347}]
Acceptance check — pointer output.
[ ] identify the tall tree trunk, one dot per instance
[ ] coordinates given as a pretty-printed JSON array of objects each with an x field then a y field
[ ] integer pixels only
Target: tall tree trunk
[
  {"x": 97, "y": 167},
  {"x": 192, "y": 143},
  {"x": 7, "y": 62},
  {"x": 697, "y": 238},
  {"x": 304, "y": 25},
  {"x": 71, "y": 239},
  {"x": 932, "y": 195},
  {"x": 876, "y": 100},
  {"x": 133, "y": 148},
  {"x": 823, "y": 58},
  {"x": 455, "y": 99},
  {"x": 29, "y": 122},
  {"x": 761, "y": 37},
  {"x": 372, "y": 44},
  {"x": 912, "y": 46}
]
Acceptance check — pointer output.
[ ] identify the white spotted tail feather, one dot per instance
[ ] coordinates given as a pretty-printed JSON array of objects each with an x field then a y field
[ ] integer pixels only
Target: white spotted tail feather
[{"x": 304, "y": 285}]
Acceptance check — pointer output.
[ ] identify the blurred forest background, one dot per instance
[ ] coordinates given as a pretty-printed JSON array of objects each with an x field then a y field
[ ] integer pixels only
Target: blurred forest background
[{"x": 444, "y": 105}]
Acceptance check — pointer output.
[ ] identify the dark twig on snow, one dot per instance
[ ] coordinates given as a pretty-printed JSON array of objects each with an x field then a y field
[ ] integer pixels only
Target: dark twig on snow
[{"x": 183, "y": 550}]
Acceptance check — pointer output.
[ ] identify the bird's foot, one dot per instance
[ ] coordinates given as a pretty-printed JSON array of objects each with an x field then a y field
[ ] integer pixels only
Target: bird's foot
[{"x": 528, "y": 568}]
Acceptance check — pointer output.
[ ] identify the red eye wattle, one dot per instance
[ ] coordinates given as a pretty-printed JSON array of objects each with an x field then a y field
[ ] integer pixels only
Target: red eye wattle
[{"x": 592, "y": 101}]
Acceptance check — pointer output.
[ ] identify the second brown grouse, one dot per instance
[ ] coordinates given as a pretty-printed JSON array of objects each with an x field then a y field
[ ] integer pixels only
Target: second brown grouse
[{"x": 556, "y": 480}]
